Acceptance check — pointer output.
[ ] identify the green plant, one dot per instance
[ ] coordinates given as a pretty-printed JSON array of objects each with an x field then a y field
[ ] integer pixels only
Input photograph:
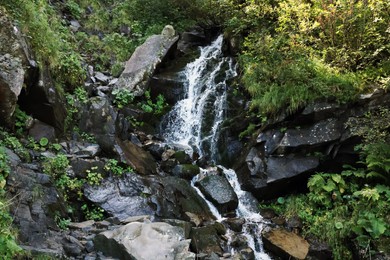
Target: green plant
[
  {"x": 44, "y": 141},
  {"x": 93, "y": 177},
  {"x": 122, "y": 97},
  {"x": 96, "y": 213},
  {"x": 21, "y": 120},
  {"x": 62, "y": 223},
  {"x": 150, "y": 107},
  {"x": 248, "y": 131},
  {"x": 112, "y": 167},
  {"x": 81, "y": 95}
]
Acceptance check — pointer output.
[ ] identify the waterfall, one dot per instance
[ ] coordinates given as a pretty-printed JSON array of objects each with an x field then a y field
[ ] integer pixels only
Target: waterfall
[{"x": 194, "y": 123}]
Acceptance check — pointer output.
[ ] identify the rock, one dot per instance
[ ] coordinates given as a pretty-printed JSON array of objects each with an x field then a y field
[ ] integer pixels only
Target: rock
[
  {"x": 133, "y": 155},
  {"x": 86, "y": 225},
  {"x": 186, "y": 171},
  {"x": 270, "y": 177},
  {"x": 271, "y": 140},
  {"x": 322, "y": 132},
  {"x": 80, "y": 166},
  {"x": 40, "y": 130},
  {"x": 188, "y": 40},
  {"x": 320, "y": 110},
  {"x": 13, "y": 158},
  {"x": 122, "y": 198},
  {"x": 247, "y": 254},
  {"x": 319, "y": 250},
  {"x": 35, "y": 200},
  {"x": 102, "y": 78},
  {"x": 234, "y": 224},
  {"x": 74, "y": 25},
  {"x": 136, "y": 219},
  {"x": 72, "y": 246},
  {"x": 217, "y": 189},
  {"x": 99, "y": 119},
  {"x": 170, "y": 84},
  {"x": 174, "y": 198},
  {"x": 286, "y": 244},
  {"x": 167, "y": 154},
  {"x": 182, "y": 157},
  {"x": 12, "y": 63},
  {"x": 144, "y": 61},
  {"x": 205, "y": 240},
  {"x": 185, "y": 225},
  {"x": 145, "y": 241},
  {"x": 267, "y": 213}
]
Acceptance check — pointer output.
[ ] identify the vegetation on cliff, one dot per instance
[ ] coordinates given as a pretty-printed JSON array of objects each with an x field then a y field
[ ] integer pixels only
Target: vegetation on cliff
[{"x": 290, "y": 53}]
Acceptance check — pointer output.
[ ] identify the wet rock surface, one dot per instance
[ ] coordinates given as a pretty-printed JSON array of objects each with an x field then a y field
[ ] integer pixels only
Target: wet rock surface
[{"x": 218, "y": 190}]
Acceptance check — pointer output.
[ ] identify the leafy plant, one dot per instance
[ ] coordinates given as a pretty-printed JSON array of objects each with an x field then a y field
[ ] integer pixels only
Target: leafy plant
[
  {"x": 93, "y": 177},
  {"x": 44, "y": 141},
  {"x": 112, "y": 167},
  {"x": 122, "y": 97},
  {"x": 150, "y": 107},
  {"x": 96, "y": 213}
]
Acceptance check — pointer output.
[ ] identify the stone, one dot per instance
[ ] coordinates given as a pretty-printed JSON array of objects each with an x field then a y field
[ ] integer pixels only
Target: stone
[
  {"x": 144, "y": 61},
  {"x": 136, "y": 219},
  {"x": 185, "y": 225},
  {"x": 86, "y": 225},
  {"x": 74, "y": 25},
  {"x": 319, "y": 250},
  {"x": 72, "y": 246},
  {"x": 186, "y": 171},
  {"x": 12, "y": 63},
  {"x": 285, "y": 244},
  {"x": 121, "y": 198},
  {"x": 320, "y": 133},
  {"x": 41, "y": 130},
  {"x": 218, "y": 190},
  {"x": 13, "y": 158},
  {"x": 80, "y": 166},
  {"x": 205, "y": 240},
  {"x": 102, "y": 78},
  {"x": 234, "y": 224},
  {"x": 320, "y": 110},
  {"x": 136, "y": 240},
  {"x": 99, "y": 119},
  {"x": 139, "y": 159},
  {"x": 247, "y": 254}
]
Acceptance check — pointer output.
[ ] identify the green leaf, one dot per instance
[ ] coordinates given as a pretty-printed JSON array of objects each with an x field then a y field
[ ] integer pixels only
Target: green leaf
[
  {"x": 281, "y": 200},
  {"x": 44, "y": 141},
  {"x": 330, "y": 186},
  {"x": 338, "y": 225}
]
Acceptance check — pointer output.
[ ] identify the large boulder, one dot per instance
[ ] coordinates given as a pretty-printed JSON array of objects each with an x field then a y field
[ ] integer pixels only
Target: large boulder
[
  {"x": 139, "y": 159},
  {"x": 286, "y": 244},
  {"x": 218, "y": 190},
  {"x": 144, "y": 241},
  {"x": 98, "y": 119},
  {"x": 134, "y": 195},
  {"x": 13, "y": 62},
  {"x": 122, "y": 197},
  {"x": 144, "y": 61},
  {"x": 206, "y": 239}
]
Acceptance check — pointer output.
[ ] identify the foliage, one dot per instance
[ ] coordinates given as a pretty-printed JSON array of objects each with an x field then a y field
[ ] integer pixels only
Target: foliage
[
  {"x": 112, "y": 167},
  {"x": 13, "y": 143},
  {"x": 62, "y": 223},
  {"x": 95, "y": 213},
  {"x": 8, "y": 247},
  {"x": 122, "y": 97},
  {"x": 94, "y": 177},
  {"x": 21, "y": 121},
  {"x": 149, "y": 106},
  {"x": 248, "y": 131}
]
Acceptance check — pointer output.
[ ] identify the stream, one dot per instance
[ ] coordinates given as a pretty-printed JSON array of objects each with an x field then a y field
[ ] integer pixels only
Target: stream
[{"x": 194, "y": 123}]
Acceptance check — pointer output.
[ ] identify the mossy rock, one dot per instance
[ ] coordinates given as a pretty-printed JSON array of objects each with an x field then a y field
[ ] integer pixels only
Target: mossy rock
[{"x": 186, "y": 171}]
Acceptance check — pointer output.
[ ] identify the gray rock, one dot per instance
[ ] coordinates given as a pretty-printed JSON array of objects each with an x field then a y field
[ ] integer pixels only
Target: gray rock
[
  {"x": 205, "y": 240},
  {"x": 145, "y": 59},
  {"x": 13, "y": 158},
  {"x": 121, "y": 198},
  {"x": 186, "y": 171},
  {"x": 74, "y": 25},
  {"x": 86, "y": 225},
  {"x": 102, "y": 78},
  {"x": 12, "y": 73},
  {"x": 41, "y": 130},
  {"x": 99, "y": 119},
  {"x": 145, "y": 241},
  {"x": 321, "y": 133},
  {"x": 235, "y": 224},
  {"x": 217, "y": 189}
]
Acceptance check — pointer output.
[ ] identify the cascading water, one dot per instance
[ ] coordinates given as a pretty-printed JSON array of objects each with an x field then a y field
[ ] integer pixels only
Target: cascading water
[{"x": 194, "y": 122}]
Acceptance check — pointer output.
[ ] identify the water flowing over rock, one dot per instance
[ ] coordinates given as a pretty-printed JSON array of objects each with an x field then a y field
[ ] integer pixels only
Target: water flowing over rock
[
  {"x": 144, "y": 241},
  {"x": 145, "y": 59},
  {"x": 218, "y": 190}
]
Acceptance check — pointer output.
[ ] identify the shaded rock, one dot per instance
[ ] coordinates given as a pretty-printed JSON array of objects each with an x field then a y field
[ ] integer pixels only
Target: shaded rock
[
  {"x": 190, "y": 39},
  {"x": 322, "y": 132},
  {"x": 72, "y": 246},
  {"x": 133, "y": 155},
  {"x": 185, "y": 225},
  {"x": 99, "y": 119},
  {"x": 102, "y": 78},
  {"x": 270, "y": 177},
  {"x": 286, "y": 244},
  {"x": 234, "y": 224},
  {"x": 319, "y": 250},
  {"x": 267, "y": 213},
  {"x": 121, "y": 198},
  {"x": 145, "y": 59},
  {"x": 145, "y": 241},
  {"x": 136, "y": 219},
  {"x": 271, "y": 140},
  {"x": 169, "y": 84},
  {"x": 174, "y": 198},
  {"x": 205, "y": 240},
  {"x": 217, "y": 189},
  {"x": 186, "y": 171},
  {"x": 182, "y": 157},
  {"x": 40, "y": 130},
  {"x": 320, "y": 110},
  {"x": 12, "y": 157},
  {"x": 247, "y": 254},
  {"x": 80, "y": 166}
]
